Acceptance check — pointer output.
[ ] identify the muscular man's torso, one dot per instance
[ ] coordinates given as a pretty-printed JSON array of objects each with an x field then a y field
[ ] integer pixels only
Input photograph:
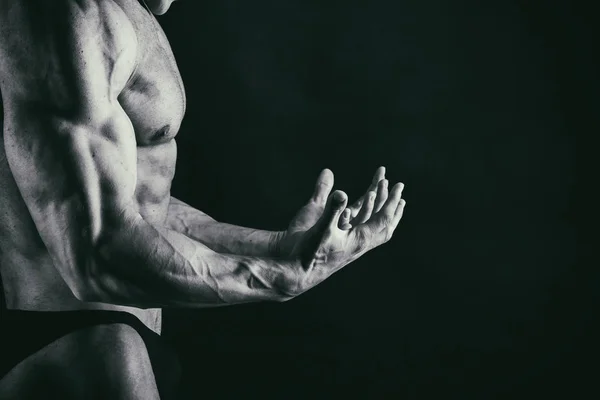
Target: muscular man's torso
[{"x": 154, "y": 100}]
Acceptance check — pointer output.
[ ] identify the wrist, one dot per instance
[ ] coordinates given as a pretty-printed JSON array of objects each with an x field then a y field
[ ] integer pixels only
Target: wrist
[
  {"x": 275, "y": 239},
  {"x": 286, "y": 284}
]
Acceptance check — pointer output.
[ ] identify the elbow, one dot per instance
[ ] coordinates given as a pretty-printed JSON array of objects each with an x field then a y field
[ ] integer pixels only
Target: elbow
[
  {"x": 90, "y": 286},
  {"x": 109, "y": 253},
  {"x": 84, "y": 293},
  {"x": 109, "y": 274},
  {"x": 97, "y": 281},
  {"x": 83, "y": 287}
]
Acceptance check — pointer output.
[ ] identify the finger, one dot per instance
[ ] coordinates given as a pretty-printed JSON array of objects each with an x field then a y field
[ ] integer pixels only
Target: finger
[
  {"x": 344, "y": 223},
  {"x": 333, "y": 210},
  {"x": 367, "y": 210},
  {"x": 382, "y": 195},
  {"x": 390, "y": 206},
  {"x": 379, "y": 176},
  {"x": 323, "y": 187},
  {"x": 398, "y": 214},
  {"x": 355, "y": 208}
]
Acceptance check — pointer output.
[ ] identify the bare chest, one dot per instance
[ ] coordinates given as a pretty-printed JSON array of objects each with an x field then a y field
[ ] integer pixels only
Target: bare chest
[{"x": 154, "y": 97}]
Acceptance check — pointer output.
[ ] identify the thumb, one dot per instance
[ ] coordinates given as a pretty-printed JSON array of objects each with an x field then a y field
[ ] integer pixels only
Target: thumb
[
  {"x": 336, "y": 204},
  {"x": 323, "y": 187}
]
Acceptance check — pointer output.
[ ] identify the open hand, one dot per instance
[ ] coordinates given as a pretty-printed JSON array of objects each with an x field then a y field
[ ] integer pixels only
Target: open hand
[
  {"x": 316, "y": 240},
  {"x": 309, "y": 214}
]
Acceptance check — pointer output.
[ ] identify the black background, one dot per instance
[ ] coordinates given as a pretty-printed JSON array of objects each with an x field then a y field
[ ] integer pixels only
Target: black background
[{"x": 474, "y": 105}]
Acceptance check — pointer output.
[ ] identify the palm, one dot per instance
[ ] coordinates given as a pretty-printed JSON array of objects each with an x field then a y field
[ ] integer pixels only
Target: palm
[
  {"x": 326, "y": 247},
  {"x": 308, "y": 216},
  {"x": 326, "y": 234}
]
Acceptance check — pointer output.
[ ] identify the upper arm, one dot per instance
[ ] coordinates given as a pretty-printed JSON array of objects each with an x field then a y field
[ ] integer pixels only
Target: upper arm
[{"x": 70, "y": 146}]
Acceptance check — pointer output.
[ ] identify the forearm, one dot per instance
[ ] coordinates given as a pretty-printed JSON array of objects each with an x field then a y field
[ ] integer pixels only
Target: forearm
[
  {"x": 219, "y": 236},
  {"x": 145, "y": 267}
]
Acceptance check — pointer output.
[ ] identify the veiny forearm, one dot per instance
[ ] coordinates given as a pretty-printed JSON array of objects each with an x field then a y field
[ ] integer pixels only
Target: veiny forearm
[
  {"x": 219, "y": 236},
  {"x": 143, "y": 266}
]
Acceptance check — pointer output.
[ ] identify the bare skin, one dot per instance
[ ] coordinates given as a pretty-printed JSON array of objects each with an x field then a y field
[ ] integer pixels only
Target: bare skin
[{"x": 92, "y": 102}]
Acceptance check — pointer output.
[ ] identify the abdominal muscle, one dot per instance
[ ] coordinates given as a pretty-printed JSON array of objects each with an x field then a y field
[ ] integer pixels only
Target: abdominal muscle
[{"x": 30, "y": 280}]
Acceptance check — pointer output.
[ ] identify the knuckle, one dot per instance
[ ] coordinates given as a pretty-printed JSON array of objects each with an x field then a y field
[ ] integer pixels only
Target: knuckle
[{"x": 386, "y": 219}]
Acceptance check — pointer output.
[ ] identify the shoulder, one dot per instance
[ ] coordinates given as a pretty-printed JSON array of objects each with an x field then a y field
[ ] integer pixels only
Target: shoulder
[
  {"x": 39, "y": 18},
  {"x": 60, "y": 46}
]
